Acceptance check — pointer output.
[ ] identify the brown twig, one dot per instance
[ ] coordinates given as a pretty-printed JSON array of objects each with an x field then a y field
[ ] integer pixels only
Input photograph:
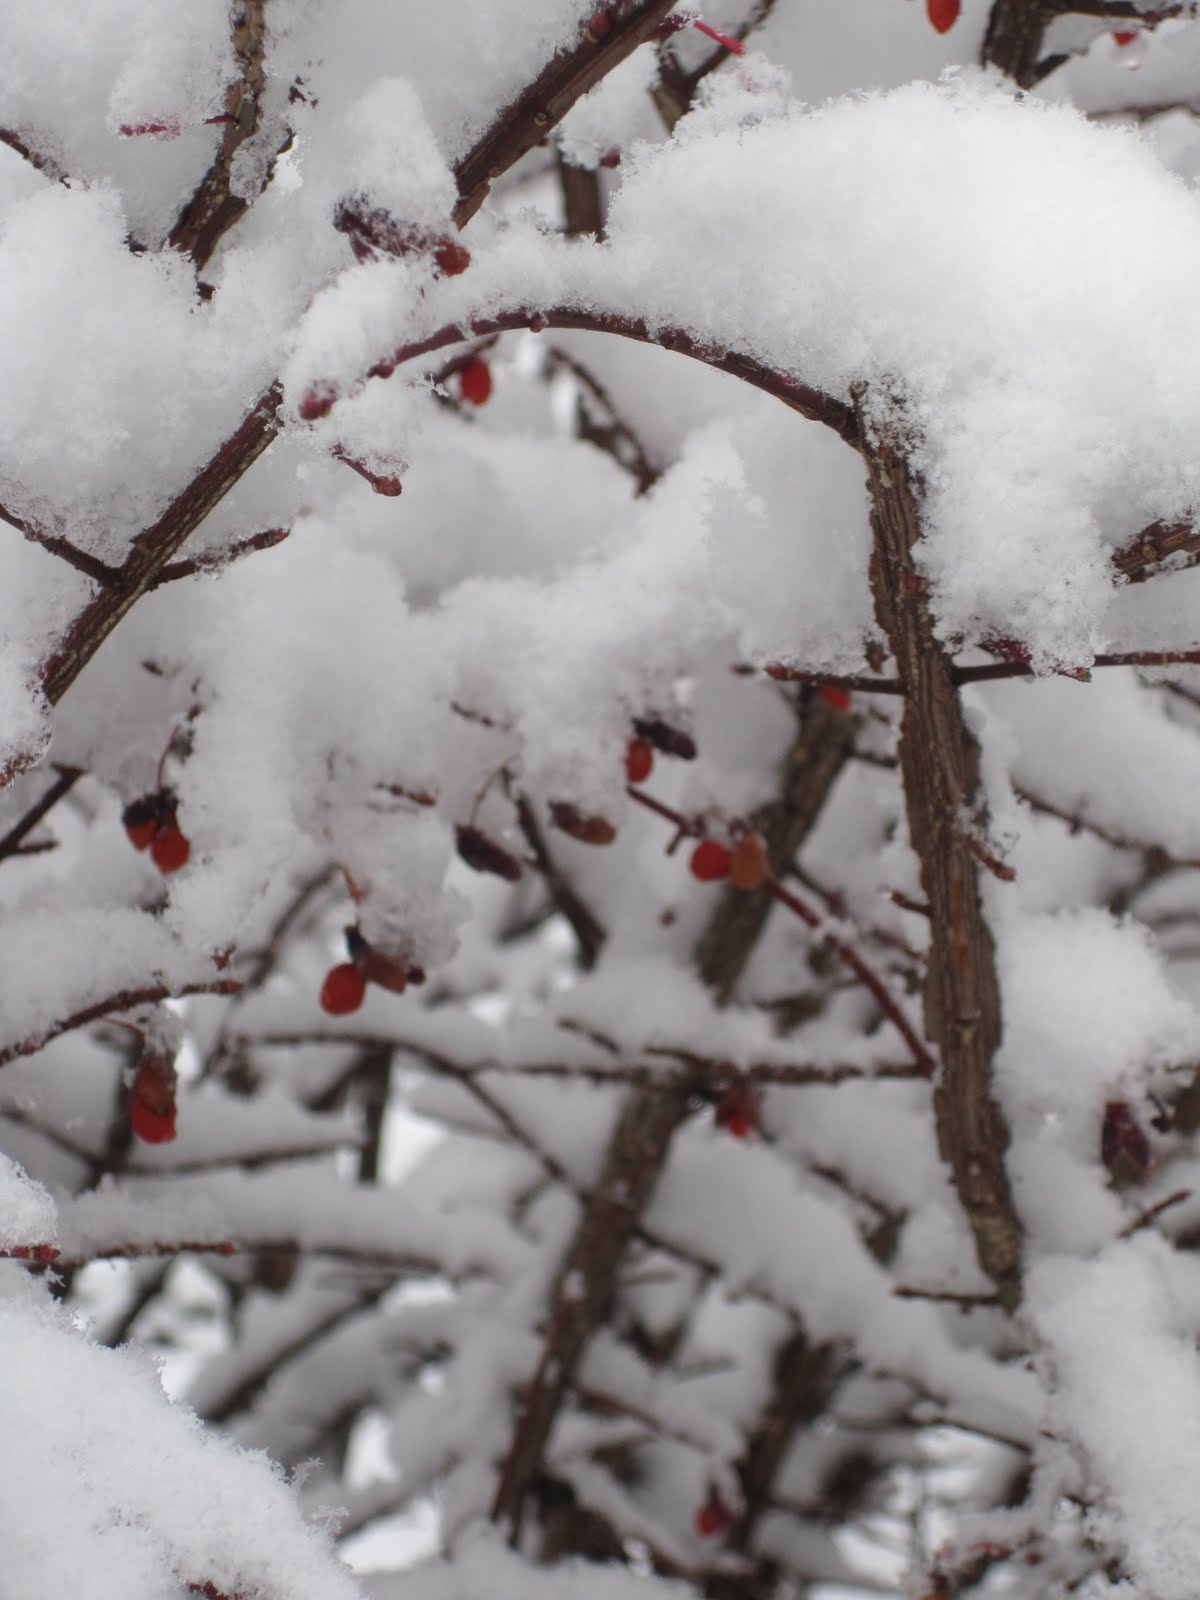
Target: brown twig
[
  {"x": 214, "y": 207},
  {"x": 564, "y": 79},
  {"x": 939, "y": 762},
  {"x": 124, "y": 1000},
  {"x": 809, "y": 402},
  {"x": 614, "y": 436},
  {"x": 154, "y": 548},
  {"x": 1153, "y": 1212},
  {"x": 217, "y": 560},
  {"x": 67, "y": 778},
  {"x": 585, "y": 925},
  {"x": 36, "y": 158}
]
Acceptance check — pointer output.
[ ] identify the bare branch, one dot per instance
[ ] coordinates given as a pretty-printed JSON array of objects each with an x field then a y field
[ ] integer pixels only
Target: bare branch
[
  {"x": 939, "y": 762},
  {"x": 124, "y": 1000},
  {"x": 564, "y": 80},
  {"x": 214, "y": 207},
  {"x": 67, "y": 778},
  {"x": 218, "y": 560}
]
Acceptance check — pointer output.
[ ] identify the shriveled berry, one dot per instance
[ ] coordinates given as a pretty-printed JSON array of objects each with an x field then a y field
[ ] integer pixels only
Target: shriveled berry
[
  {"x": 749, "y": 867},
  {"x": 317, "y": 402},
  {"x": 710, "y": 861},
  {"x": 343, "y": 990},
  {"x": 484, "y": 854},
  {"x": 587, "y": 829},
  {"x": 451, "y": 258},
  {"x": 141, "y": 824},
  {"x": 943, "y": 13},
  {"x": 376, "y": 965},
  {"x": 170, "y": 849},
  {"x": 639, "y": 761},
  {"x": 1124, "y": 1147},
  {"x": 475, "y": 382},
  {"x": 662, "y": 736}
]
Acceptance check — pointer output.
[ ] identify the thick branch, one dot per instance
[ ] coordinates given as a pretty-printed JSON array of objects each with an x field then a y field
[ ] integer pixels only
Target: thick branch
[
  {"x": 123, "y": 1001},
  {"x": 561, "y": 82},
  {"x": 155, "y": 547},
  {"x": 586, "y": 1281},
  {"x": 939, "y": 763},
  {"x": 214, "y": 208}
]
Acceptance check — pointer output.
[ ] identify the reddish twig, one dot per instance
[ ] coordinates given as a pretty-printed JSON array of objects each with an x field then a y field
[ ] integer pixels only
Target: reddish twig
[
  {"x": 125, "y": 1000},
  {"x": 218, "y": 560}
]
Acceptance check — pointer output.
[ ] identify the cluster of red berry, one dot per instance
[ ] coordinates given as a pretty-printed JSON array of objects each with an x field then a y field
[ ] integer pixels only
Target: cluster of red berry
[
  {"x": 345, "y": 985},
  {"x": 152, "y": 824}
]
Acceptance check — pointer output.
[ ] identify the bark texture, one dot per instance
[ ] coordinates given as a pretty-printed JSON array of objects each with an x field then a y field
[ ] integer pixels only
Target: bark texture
[{"x": 939, "y": 762}]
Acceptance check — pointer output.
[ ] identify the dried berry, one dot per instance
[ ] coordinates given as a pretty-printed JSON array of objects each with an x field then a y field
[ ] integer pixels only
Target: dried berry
[
  {"x": 710, "y": 861},
  {"x": 344, "y": 990},
  {"x": 141, "y": 819},
  {"x": 376, "y": 965},
  {"x": 587, "y": 829},
  {"x": 1124, "y": 1147},
  {"x": 484, "y": 854},
  {"x": 317, "y": 402},
  {"x": 639, "y": 761},
  {"x": 739, "y": 1110},
  {"x": 671, "y": 741},
  {"x": 749, "y": 865}
]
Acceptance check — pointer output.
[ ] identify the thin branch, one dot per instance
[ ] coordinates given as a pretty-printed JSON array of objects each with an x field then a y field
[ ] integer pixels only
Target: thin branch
[
  {"x": 585, "y": 925},
  {"x": 845, "y": 951},
  {"x": 1123, "y": 658},
  {"x": 124, "y": 1000},
  {"x": 154, "y": 548},
  {"x": 566, "y": 78},
  {"x": 218, "y": 560},
  {"x": 615, "y": 437},
  {"x": 67, "y": 778},
  {"x": 36, "y": 158},
  {"x": 90, "y": 566},
  {"x": 809, "y": 402},
  {"x": 1153, "y": 1212},
  {"x": 852, "y": 682}
]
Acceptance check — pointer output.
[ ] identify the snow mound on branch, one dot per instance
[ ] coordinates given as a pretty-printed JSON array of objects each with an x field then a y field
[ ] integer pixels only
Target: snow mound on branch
[
  {"x": 1014, "y": 286},
  {"x": 1022, "y": 282},
  {"x": 27, "y": 1214},
  {"x": 113, "y": 1492},
  {"x": 1121, "y": 1331}
]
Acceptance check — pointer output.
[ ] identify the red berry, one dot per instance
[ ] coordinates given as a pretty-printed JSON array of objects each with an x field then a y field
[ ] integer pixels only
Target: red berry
[
  {"x": 833, "y": 696},
  {"x": 710, "y": 861},
  {"x": 154, "y": 1127},
  {"x": 749, "y": 867},
  {"x": 639, "y": 761},
  {"x": 1125, "y": 36},
  {"x": 344, "y": 989},
  {"x": 141, "y": 834},
  {"x": 475, "y": 382},
  {"x": 170, "y": 849},
  {"x": 739, "y": 1109},
  {"x": 713, "y": 1517},
  {"x": 943, "y": 13}
]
